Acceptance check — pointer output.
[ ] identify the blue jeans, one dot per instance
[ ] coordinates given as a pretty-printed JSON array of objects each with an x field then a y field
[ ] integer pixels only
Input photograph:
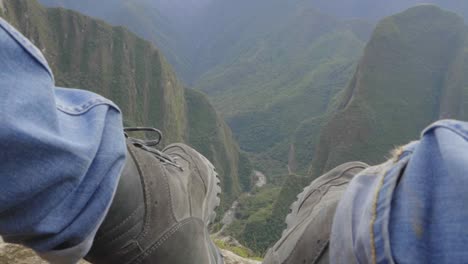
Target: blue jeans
[
  {"x": 411, "y": 209},
  {"x": 62, "y": 151}
]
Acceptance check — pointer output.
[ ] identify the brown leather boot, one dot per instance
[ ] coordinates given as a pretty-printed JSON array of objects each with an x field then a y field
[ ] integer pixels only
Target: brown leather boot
[
  {"x": 161, "y": 210},
  {"x": 307, "y": 235}
]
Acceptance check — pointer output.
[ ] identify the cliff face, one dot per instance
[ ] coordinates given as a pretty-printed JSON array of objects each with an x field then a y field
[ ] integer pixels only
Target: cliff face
[
  {"x": 412, "y": 73},
  {"x": 111, "y": 61},
  {"x": 90, "y": 54}
]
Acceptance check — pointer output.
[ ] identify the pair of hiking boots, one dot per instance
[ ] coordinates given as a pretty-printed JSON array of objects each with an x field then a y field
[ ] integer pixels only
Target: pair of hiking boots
[{"x": 166, "y": 199}]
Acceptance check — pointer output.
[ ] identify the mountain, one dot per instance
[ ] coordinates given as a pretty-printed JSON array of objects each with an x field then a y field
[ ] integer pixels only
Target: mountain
[
  {"x": 285, "y": 77},
  {"x": 143, "y": 17},
  {"x": 412, "y": 73},
  {"x": 90, "y": 54},
  {"x": 198, "y": 35},
  {"x": 271, "y": 67},
  {"x": 374, "y": 10}
]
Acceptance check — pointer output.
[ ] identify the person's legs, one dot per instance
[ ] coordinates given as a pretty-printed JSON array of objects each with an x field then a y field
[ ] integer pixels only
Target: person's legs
[
  {"x": 306, "y": 238},
  {"x": 62, "y": 151}
]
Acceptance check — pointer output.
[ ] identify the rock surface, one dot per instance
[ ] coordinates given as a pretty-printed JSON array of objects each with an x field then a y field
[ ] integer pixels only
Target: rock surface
[
  {"x": 14, "y": 254},
  {"x": 231, "y": 258}
]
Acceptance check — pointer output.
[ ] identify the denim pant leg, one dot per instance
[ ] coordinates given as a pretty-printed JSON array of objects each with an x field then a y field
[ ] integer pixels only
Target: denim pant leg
[
  {"x": 410, "y": 209},
  {"x": 62, "y": 151}
]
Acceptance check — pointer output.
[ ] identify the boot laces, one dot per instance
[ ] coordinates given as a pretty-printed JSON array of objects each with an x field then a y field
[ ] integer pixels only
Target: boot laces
[{"x": 150, "y": 144}]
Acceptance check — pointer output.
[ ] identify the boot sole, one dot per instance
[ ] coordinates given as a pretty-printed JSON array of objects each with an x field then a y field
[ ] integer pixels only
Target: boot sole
[
  {"x": 212, "y": 199},
  {"x": 211, "y": 202}
]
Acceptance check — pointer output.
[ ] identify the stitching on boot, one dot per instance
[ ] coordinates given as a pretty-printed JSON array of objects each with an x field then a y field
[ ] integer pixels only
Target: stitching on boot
[
  {"x": 123, "y": 234},
  {"x": 146, "y": 194},
  {"x": 121, "y": 224},
  {"x": 320, "y": 252},
  {"x": 168, "y": 189},
  {"x": 162, "y": 240},
  {"x": 327, "y": 182},
  {"x": 284, "y": 238},
  {"x": 148, "y": 197},
  {"x": 189, "y": 185},
  {"x": 194, "y": 165}
]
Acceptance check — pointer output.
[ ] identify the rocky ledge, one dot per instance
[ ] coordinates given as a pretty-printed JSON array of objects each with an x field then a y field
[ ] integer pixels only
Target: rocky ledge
[{"x": 14, "y": 254}]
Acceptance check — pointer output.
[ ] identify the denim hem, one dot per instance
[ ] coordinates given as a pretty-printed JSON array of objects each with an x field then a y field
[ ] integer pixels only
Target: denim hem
[
  {"x": 452, "y": 125},
  {"x": 74, "y": 254},
  {"x": 81, "y": 109}
]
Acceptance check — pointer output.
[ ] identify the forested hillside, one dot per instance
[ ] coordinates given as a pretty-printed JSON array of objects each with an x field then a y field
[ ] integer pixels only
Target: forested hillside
[
  {"x": 143, "y": 17},
  {"x": 372, "y": 9},
  {"x": 286, "y": 77},
  {"x": 413, "y": 72},
  {"x": 90, "y": 54}
]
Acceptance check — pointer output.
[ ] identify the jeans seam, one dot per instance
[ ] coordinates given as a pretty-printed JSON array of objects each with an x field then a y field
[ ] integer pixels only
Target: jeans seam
[
  {"x": 443, "y": 124},
  {"x": 79, "y": 110},
  {"x": 374, "y": 218}
]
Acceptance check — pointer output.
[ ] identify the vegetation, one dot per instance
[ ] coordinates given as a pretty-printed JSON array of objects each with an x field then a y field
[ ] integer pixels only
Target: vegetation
[
  {"x": 211, "y": 136},
  {"x": 312, "y": 57},
  {"x": 369, "y": 9},
  {"x": 262, "y": 215},
  {"x": 238, "y": 250}
]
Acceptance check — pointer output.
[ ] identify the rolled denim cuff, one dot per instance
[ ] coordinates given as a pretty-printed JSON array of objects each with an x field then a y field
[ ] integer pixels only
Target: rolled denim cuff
[
  {"x": 74, "y": 254},
  {"x": 70, "y": 255}
]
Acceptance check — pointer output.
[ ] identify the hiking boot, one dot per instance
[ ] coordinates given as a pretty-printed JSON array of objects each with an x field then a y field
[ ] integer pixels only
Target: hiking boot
[
  {"x": 306, "y": 237},
  {"x": 161, "y": 210}
]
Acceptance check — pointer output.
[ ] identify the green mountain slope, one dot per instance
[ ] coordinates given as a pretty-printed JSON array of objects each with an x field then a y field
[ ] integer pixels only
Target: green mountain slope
[
  {"x": 87, "y": 53},
  {"x": 142, "y": 17},
  {"x": 208, "y": 133},
  {"x": 284, "y": 78},
  {"x": 197, "y": 36},
  {"x": 413, "y": 72},
  {"x": 371, "y": 9},
  {"x": 262, "y": 215}
]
